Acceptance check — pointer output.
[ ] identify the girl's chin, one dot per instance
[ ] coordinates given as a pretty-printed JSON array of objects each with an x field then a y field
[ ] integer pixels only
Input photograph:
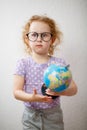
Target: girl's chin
[{"x": 41, "y": 52}]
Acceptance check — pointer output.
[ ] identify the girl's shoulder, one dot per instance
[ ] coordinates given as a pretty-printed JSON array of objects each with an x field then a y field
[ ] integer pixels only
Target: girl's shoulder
[
  {"x": 58, "y": 61},
  {"x": 24, "y": 60}
]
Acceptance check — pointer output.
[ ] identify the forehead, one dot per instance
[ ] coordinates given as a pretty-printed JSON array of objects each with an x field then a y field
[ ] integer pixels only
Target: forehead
[{"x": 37, "y": 26}]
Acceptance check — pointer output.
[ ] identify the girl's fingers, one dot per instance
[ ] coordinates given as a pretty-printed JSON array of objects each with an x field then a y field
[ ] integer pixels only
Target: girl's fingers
[{"x": 34, "y": 91}]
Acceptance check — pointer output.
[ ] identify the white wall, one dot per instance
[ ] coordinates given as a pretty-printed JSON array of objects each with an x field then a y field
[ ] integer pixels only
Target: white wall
[{"x": 72, "y": 19}]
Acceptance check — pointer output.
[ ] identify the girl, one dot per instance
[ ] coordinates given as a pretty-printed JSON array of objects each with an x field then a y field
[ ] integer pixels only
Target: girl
[{"x": 41, "y": 111}]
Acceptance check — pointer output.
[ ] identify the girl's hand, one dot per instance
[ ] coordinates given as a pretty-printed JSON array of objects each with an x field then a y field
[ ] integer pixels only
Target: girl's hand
[
  {"x": 40, "y": 98},
  {"x": 70, "y": 91},
  {"x": 52, "y": 93}
]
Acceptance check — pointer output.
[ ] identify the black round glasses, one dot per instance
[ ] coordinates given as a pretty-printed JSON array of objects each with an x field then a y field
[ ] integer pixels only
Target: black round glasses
[{"x": 45, "y": 36}]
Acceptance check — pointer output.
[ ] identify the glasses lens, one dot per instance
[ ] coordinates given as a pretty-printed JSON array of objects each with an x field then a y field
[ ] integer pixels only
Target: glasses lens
[
  {"x": 32, "y": 36},
  {"x": 46, "y": 36}
]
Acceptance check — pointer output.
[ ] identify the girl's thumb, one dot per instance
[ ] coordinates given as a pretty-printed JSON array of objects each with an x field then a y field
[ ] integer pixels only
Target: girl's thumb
[{"x": 34, "y": 91}]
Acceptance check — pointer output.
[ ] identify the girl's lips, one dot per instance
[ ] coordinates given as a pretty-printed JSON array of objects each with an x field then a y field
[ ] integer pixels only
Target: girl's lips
[{"x": 38, "y": 45}]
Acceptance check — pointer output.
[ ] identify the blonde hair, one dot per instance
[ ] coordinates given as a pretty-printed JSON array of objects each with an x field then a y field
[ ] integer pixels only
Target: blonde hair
[{"x": 56, "y": 33}]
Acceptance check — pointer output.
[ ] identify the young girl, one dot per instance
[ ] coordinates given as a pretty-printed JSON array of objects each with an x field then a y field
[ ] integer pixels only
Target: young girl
[{"x": 41, "y": 111}]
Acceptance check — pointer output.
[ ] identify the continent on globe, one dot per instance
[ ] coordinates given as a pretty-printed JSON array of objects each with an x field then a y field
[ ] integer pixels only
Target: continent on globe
[{"x": 57, "y": 78}]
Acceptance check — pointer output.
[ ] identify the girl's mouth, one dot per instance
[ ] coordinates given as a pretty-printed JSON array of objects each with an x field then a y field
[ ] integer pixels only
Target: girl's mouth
[{"x": 39, "y": 46}]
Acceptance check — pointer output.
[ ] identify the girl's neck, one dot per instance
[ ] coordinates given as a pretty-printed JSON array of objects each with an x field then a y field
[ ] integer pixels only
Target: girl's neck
[{"x": 40, "y": 58}]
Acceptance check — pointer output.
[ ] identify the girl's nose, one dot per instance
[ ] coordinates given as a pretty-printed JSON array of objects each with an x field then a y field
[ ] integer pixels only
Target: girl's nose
[{"x": 39, "y": 37}]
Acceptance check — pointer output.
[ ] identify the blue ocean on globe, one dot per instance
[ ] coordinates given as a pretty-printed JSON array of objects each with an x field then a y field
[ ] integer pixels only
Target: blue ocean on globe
[{"x": 57, "y": 78}]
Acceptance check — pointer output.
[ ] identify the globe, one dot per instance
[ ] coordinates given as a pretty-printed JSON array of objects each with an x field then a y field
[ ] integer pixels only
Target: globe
[{"x": 57, "y": 78}]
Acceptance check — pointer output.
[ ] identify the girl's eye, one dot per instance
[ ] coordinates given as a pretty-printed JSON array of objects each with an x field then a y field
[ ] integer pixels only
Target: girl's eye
[
  {"x": 33, "y": 34},
  {"x": 44, "y": 35}
]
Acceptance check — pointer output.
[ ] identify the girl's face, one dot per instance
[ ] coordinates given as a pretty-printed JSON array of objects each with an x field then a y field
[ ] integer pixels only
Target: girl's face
[{"x": 39, "y": 40}]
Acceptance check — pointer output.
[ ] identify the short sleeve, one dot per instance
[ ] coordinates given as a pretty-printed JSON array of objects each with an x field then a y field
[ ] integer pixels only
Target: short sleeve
[
  {"x": 60, "y": 61},
  {"x": 63, "y": 62},
  {"x": 20, "y": 67}
]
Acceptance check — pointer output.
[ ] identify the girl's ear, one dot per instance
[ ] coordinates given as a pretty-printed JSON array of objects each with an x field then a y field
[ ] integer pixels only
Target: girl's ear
[
  {"x": 26, "y": 40},
  {"x": 53, "y": 40}
]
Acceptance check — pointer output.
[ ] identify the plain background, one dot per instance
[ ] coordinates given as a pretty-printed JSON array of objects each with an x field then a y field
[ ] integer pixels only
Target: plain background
[{"x": 71, "y": 16}]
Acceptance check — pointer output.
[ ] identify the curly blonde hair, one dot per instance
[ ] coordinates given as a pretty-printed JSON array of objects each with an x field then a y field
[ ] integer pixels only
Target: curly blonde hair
[{"x": 56, "y": 33}]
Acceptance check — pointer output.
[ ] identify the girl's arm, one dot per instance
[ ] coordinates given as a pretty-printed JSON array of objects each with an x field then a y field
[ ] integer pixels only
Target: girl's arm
[
  {"x": 20, "y": 94},
  {"x": 70, "y": 91}
]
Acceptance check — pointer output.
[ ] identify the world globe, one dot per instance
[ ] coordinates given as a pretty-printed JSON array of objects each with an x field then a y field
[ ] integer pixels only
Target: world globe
[{"x": 57, "y": 78}]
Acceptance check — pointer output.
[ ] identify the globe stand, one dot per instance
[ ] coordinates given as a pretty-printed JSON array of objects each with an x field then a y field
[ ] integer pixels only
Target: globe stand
[{"x": 43, "y": 89}]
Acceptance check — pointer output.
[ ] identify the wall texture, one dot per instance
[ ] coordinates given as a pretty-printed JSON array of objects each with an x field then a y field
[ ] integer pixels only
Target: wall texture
[{"x": 72, "y": 19}]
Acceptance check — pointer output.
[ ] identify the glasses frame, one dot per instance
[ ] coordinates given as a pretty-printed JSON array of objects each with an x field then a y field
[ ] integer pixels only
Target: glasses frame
[{"x": 41, "y": 35}]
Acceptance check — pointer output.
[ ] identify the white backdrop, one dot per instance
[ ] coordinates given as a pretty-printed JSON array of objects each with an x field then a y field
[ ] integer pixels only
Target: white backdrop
[{"x": 72, "y": 19}]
